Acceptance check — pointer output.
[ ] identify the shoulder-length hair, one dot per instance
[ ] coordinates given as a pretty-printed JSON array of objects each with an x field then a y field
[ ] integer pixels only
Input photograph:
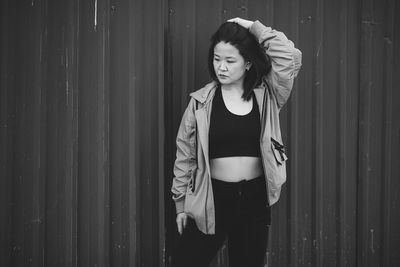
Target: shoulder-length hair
[{"x": 249, "y": 48}]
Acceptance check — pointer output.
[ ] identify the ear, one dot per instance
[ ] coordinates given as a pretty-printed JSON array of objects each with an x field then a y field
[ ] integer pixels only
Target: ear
[{"x": 248, "y": 65}]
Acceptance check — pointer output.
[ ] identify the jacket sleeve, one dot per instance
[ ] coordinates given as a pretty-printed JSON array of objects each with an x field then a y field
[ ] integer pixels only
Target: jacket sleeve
[
  {"x": 285, "y": 59},
  {"x": 185, "y": 156}
]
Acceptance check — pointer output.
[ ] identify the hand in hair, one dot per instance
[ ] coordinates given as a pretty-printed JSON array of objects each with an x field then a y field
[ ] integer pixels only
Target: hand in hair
[{"x": 242, "y": 22}]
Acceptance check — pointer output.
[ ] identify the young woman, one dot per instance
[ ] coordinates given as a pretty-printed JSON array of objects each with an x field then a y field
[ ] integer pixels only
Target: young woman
[{"x": 230, "y": 161}]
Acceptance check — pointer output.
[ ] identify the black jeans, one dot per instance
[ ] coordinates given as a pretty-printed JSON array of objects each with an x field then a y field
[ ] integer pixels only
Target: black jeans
[{"x": 242, "y": 215}]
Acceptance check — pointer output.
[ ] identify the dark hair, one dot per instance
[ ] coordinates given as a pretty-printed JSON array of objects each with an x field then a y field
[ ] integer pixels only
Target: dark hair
[{"x": 249, "y": 49}]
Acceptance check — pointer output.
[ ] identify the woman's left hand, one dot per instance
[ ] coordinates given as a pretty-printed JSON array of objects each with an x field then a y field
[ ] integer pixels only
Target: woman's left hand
[{"x": 242, "y": 22}]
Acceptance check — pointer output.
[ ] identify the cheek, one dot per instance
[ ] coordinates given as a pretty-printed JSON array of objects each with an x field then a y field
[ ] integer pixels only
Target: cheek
[
  {"x": 215, "y": 66},
  {"x": 240, "y": 70}
]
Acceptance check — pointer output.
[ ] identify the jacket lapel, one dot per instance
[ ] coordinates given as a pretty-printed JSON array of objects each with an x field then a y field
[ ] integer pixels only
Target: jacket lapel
[
  {"x": 203, "y": 116},
  {"x": 261, "y": 95},
  {"x": 202, "y": 126}
]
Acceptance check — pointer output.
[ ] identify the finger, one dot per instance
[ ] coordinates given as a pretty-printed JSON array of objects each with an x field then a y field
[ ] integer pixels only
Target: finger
[
  {"x": 184, "y": 222},
  {"x": 179, "y": 223}
]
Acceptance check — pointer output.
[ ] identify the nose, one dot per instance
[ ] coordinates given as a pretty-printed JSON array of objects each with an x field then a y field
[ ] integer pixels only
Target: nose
[{"x": 222, "y": 66}]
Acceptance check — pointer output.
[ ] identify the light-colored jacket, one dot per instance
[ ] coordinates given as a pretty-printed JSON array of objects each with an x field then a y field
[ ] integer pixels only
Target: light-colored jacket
[{"x": 191, "y": 187}]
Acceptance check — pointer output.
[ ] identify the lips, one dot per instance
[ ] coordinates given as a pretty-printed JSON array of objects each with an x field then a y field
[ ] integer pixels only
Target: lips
[{"x": 222, "y": 76}]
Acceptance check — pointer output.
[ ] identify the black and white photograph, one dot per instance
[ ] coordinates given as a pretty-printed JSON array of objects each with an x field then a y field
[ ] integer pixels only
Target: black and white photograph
[{"x": 200, "y": 133}]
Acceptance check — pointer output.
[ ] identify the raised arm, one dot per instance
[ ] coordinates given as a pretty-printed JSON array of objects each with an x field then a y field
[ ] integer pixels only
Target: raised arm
[{"x": 285, "y": 58}]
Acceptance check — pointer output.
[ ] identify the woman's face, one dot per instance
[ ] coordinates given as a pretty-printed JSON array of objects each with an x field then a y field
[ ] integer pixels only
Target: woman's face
[{"x": 229, "y": 65}]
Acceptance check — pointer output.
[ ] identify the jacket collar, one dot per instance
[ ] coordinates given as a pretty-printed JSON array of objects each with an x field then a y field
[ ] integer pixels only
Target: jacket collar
[{"x": 203, "y": 94}]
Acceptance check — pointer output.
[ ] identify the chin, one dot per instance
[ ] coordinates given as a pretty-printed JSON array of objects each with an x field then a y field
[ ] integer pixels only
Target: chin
[{"x": 223, "y": 81}]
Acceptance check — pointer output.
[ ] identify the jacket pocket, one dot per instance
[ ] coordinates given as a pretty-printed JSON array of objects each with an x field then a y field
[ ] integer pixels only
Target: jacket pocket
[{"x": 278, "y": 150}]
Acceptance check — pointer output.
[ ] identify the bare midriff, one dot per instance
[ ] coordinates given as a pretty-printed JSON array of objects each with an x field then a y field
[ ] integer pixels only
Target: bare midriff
[{"x": 235, "y": 169}]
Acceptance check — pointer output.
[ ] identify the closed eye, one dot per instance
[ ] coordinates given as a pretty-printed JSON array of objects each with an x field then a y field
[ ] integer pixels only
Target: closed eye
[{"x": 217, "y": 57}]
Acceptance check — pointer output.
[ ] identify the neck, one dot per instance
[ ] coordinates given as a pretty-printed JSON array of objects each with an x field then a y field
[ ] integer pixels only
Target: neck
[{"x": 233, "y": 88}]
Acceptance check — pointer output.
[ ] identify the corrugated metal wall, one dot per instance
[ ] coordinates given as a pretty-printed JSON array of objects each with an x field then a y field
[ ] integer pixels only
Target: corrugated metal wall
[
  {"x": 340, "y": 206},
  {"x": 92, "y": 92},
  {"x": 82, "y": 129}
]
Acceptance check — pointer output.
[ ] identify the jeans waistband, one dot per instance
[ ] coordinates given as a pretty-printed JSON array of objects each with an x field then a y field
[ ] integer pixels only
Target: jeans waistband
[{"x": 255, "y": 183}]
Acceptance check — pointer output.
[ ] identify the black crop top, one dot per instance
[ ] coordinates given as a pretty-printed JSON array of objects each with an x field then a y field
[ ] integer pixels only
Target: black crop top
[{"x": 233, "y": 135}]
